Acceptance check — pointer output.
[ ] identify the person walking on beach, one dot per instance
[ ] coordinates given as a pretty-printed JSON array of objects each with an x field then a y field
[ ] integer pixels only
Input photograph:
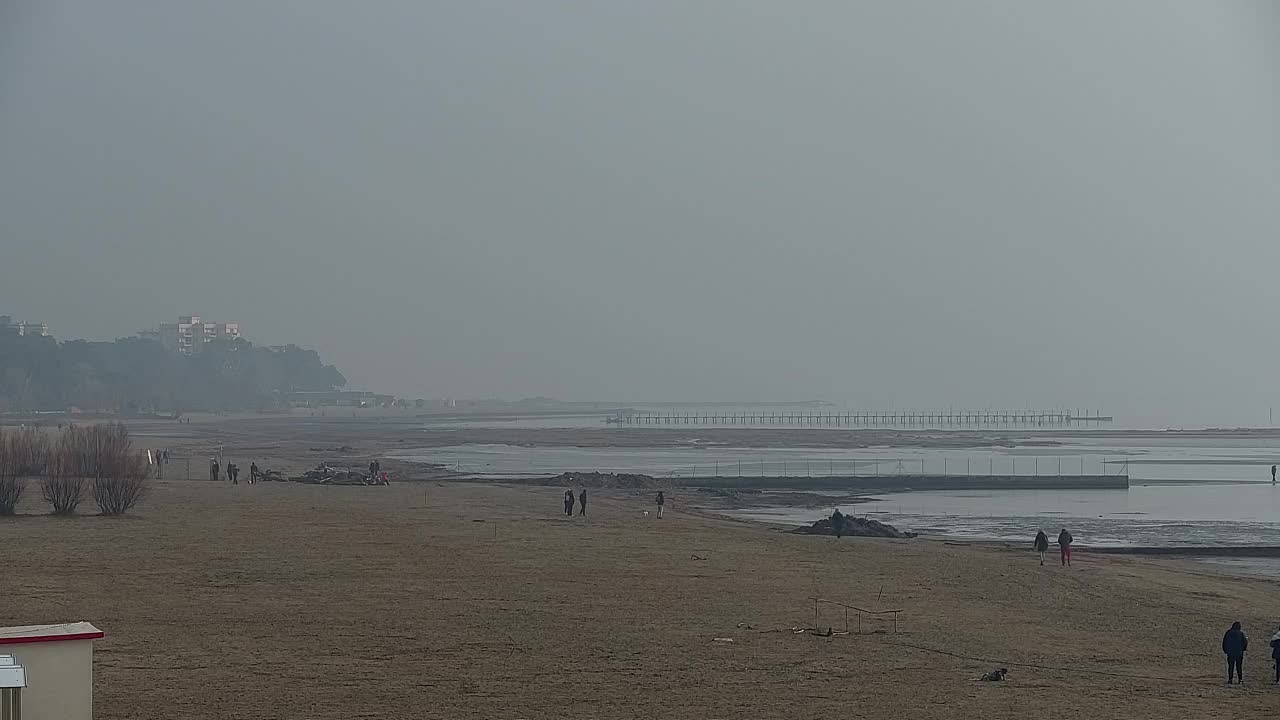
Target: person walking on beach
[
  {"x": 837, "y": 523},
  {"x": 374, "y": 467},
  {"x": 1064, "y": 544},
  {"x": 1273, "y": 474},
  {"x": 1234, "y": 645},
  {"x": 582, "y": 502},
  {"x": 1275, "y": 653},
  {"x": 661, "y": 500},
  {"x": 568, "y": 502},
  {"x": 233, "y": 472},
  {"x": 213, "y": 469},
  {"x": 1042, "y": 545},
  {"x": 254, "y": 472}
]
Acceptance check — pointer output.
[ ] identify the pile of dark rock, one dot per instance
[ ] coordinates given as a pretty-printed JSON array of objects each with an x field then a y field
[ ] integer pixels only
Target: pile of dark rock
[{"x": 854, "y": 526}]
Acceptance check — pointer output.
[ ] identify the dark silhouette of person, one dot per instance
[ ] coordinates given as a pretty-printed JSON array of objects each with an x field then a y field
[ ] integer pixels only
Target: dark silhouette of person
[
  {"x": 1275, "y": 652},
  {"x": 568, "y": 502},
  {"x": 214, "y": 473},
  {"x": 254, "y": 473},
  {"x": 1064, "y": 545},
  {"x": 233, "y": 472},
  {"x": 1273, "y": 474},
  {"x": 582, "y": 502},
  {"x": 374, "y": 467},
  {"x": 1041, "y": 544},
  {"x": 837, "y": 523},
  {"x": 661, "y": 500},
  {"x": 1234, "y": 645}
]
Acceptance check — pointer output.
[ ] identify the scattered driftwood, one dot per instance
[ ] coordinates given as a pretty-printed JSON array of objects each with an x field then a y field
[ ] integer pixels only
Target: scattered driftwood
[
  {"x": 325, "y": 474},
  {"x": 855, "y": 526}
]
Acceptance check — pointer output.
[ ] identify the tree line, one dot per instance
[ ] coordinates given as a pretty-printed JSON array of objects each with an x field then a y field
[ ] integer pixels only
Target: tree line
[
  {"x": 133, "y": 375},
  {"x": 96, "y": 461}
]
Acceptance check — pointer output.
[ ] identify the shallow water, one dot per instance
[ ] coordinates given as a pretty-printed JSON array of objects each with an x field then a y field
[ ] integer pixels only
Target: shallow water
[
  {"x": 1151, "y": 461},
  {"x": 1153, "y": 514},
  {"x": 1183, "y": 492}
]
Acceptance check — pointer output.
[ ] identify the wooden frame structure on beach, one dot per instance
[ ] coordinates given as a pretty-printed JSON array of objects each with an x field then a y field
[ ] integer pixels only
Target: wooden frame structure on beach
[{"x": 895, "y": 612}]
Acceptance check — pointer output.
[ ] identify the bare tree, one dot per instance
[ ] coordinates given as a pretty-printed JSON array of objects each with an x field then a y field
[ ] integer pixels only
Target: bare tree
[
  {"x": 63, "y": 485},
  {"x": 122, "y": 484},
  {"x": 23, "y": 454}
]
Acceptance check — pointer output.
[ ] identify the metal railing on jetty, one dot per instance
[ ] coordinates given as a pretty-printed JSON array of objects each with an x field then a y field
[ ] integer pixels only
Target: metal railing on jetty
[{"x": 884, "y": 419}]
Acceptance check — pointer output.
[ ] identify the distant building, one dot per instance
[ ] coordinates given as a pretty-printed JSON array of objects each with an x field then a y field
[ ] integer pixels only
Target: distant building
[
  {"x": 191, "y": 334},
  {"x": 9, "y": 327}
]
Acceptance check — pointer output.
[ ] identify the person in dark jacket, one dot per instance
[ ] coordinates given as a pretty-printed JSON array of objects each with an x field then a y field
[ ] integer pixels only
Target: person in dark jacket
[
  {"x": 1041, "y": 545},
  {"x": 661, "y": 500},
  {"x": 837, "y": 523},
  {"x": 1234, "y": 645},
  {"x": 582, "y": 502},
  {"x": 1275, "y": 653},
  {"x": 1064, "y": 544},
  {"x": 568, "y": 502}
]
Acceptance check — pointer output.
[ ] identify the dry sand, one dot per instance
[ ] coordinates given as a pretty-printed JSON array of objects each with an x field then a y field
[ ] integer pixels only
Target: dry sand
[{"x": 293, "y": 601}]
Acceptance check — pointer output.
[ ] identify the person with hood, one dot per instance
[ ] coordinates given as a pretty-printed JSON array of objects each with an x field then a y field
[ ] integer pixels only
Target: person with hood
[
  {"x": 1275, "y": 653},
  {"x": 1064, "y": 544},
  {"x": 1234, "y": 645},
  {"x": 837, "y": 523},
  {"x": 1041, "y": 544}
]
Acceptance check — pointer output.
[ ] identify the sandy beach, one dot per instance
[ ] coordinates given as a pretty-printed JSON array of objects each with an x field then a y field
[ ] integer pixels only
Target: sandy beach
[{"x": 450, "y": 600}]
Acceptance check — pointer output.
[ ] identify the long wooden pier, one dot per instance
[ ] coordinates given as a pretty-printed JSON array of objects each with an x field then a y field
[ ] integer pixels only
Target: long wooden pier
[{"x": 882, "y": 419}]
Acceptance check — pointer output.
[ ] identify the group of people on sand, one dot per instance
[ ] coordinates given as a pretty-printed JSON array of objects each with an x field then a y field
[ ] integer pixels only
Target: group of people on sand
[
  {"x": 581, "y": 501},
  {"x": 1235, "y": 643},
  {"x": 1041, "y": 544},
  {"x": 569, "y": 500},
  {"x": 233, "y": 472}
]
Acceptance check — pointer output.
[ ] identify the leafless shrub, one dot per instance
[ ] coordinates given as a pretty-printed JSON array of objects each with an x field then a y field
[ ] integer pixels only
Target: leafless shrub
[
  {"x": 62, "y": 485},
  {"x": 23, "y": 454},
  {"x": 98, "y": 458},
  {"x": 123, "y": 485}
]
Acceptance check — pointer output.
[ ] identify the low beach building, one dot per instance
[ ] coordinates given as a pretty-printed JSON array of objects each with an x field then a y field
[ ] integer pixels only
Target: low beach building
[{"x": 48, "y": 670}]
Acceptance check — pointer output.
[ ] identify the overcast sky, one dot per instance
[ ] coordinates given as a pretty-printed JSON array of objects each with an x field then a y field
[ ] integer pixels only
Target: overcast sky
[{"x": 883, "y": 204}]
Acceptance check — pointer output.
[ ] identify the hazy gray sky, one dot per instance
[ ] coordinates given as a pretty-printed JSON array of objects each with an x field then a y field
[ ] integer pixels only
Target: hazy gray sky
[{"x": 906, "y": 204}]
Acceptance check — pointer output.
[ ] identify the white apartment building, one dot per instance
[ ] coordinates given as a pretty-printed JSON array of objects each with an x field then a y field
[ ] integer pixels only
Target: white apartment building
[
  {"x": 191, "y": 333},
  {"x": 7, "y": 325}
]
